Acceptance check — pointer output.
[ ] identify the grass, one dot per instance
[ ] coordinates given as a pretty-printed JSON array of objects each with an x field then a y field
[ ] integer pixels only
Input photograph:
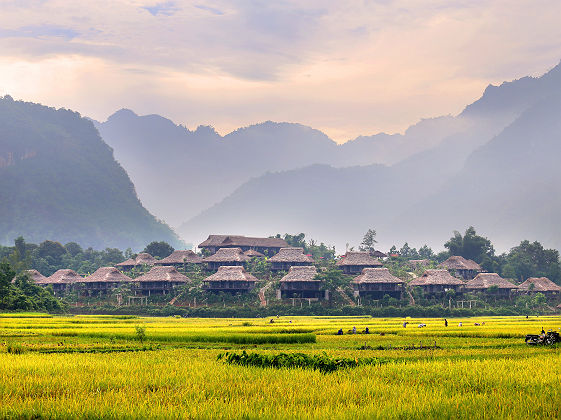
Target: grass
[{"x": 96, "y": 367}]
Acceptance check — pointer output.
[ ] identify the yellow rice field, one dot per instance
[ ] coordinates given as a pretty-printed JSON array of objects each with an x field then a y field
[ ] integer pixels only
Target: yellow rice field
[{"x": 96, "y": 367}]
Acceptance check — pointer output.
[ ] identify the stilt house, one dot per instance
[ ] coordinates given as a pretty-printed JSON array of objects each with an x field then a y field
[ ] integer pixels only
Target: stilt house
[
  {"x": 300, "y": 282},
  {"x": 467, "y": 269},
  {"x": 141, "y": 259},
  {"x": 437, "y": 282},
  {"x": 268, "y": 246},
  {"x": 354, "y": 262},
  {"x": 180, "y": 258},
  {"x": 160, "y": 280},
  {"x": 103, "y": 281},
  {"x": 491, "y": 283},
  {"x": 35, "y": 276},
  {"x": 539, "y": 285},
  {"x": 226, "y": 256},
  {"x": 377, "y": 282},
  {"x": 230, "y": 279},
  {"x": 289, "y": 257},
  {"x": 62, "y": 281}
]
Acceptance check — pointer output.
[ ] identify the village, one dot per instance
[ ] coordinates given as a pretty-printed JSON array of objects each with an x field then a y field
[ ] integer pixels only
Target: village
[{"x": 265, "y": 270}]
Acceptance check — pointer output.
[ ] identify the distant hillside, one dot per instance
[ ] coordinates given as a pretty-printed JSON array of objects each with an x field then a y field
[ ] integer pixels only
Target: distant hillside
[
  {"x": 509, "y": 188},
  {"x": 498, "y": 173},
  {"x": 199, "y": 168},
  {"x": 59, "y": 181}
]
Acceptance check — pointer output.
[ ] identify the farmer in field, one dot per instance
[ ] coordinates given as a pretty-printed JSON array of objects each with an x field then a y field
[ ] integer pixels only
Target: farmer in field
[{"x": 445, "y": 322}]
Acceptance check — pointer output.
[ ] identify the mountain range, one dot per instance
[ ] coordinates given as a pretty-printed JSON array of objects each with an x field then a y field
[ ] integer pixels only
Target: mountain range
[
  {"x": 497, "y": 173},
  {"x": 60, "y": 181},
  {"x": 418, "y": 186}
]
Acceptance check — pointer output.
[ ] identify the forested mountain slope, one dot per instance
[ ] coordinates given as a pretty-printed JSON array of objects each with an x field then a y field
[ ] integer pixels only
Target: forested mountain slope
[{"x": 59, "y": 181}]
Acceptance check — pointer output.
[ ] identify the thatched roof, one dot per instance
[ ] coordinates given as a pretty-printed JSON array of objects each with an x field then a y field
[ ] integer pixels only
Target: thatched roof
[
  {"x": 376, "y": 275},
  {"x": 180, "y": 257},
  {"x": 163, "y": 273},
  {"x": 436, "y": 277},
  {"x": 231, "y": 273},
  {"x": 457, "y": 262},
  {"x": 541, "y": 284},
  {"x": 227, "y": 255},
  {"x": 358, "y": 258},
  {"x": 291, "y": 255},
  {"x": 35, "y": 276},
  {"x": 251, "y": 253},
  {"x": 301, "y": 273},
  {"x": 127, "y": 263},
  {"x": 64, "y": 276},
  {"x": 486, "y": 280},
  {"x": 107, "y": 275},
  {"x": 379, "y": 254},
  {"x": 143, "y": 258},
  {"x": 239, "y": 240}
]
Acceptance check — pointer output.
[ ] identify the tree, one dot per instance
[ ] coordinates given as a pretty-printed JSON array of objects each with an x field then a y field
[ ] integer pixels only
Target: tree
[
  {"x": 295, "y": 240},
  {"x": 425, "y": 252},
  {"x": 368, "y": 241},
  {"x": 159, "y": 249},
  {"x": 530, "y": 259},
  {"x": 73, "y": 248},
  {"x": 52, "y": 249},
  {"x": 407, "y": 252},
  {"x": 6, "y": 276},
  {"x": 470, "y": 246},
  {"x": 332, "y": 278}
]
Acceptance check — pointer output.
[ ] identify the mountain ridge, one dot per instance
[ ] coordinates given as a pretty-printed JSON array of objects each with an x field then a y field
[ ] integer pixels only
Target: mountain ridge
[{"x": 59, "y": 181}]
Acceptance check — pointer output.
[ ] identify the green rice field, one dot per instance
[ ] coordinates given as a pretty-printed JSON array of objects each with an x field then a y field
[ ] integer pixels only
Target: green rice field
[{"x": 135, "y": 367}]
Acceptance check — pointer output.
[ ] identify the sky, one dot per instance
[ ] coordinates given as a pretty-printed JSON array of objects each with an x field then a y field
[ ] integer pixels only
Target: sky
[{"x": 347, "y": 68}]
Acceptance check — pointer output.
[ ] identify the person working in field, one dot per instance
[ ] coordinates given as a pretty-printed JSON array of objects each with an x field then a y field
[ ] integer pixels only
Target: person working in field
[{"x": 445, "y": 322}]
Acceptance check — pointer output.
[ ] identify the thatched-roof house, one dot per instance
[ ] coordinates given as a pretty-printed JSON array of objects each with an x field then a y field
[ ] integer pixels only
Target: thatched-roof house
[
  {"x": 159, "y": 280},
  {"x": 103, "y": 280},
  {"x": 288, "y": 257},
  {"x": 300, "y": 282},
  {"x": 62, "y": 281},
  {"x": 539, "y": 285},
  {"x": 251, "y": 253},
  {"x": 180, "y": 258},
  {"x": 354, "y": 262},
  {"x": 377, "y": 282},
  {"x": 143, "y": 258},
  {"x": 230, "y": 279},
  {"x": 467, "y": 269},
  {"x": 435, "y": 282},
  {"x": 483, "y": 281},
  {"x": 226, "y": 256},
  {"x": 269, "y": 246},
  {"x": 35, "y": 276}
]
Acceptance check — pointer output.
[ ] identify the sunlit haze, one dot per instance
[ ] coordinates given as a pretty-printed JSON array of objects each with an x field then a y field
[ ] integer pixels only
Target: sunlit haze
[{"x": 346, "y": 68}]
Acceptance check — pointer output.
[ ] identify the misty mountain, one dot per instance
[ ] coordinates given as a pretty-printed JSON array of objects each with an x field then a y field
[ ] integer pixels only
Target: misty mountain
[
  {"x": 199, "y": 168},
  {"x": 59, "y": 181},
  {"x": 498, "y": 173},
  {"x": 509, "y": 188}
]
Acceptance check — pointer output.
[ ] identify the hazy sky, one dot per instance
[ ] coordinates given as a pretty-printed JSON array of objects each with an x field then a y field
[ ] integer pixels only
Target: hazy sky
[{"x": 345, "y": 67}]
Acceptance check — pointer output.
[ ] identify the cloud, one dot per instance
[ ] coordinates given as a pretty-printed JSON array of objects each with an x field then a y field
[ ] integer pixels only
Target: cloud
[
  {"x": 166, "y": 9},
  {"x": 39, "y": 31},
  {"x": 210, "y": 9},
  {"x": 350, "y": 68}
]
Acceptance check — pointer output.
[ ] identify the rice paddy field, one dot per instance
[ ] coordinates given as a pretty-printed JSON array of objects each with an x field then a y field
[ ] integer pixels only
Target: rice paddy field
[{"x": 134, "y": 367}]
